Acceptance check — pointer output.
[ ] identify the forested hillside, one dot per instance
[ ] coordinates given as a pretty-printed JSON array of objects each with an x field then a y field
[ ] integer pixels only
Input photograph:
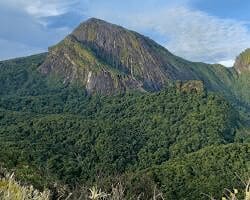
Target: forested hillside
[{"x": 178, "y": 139}]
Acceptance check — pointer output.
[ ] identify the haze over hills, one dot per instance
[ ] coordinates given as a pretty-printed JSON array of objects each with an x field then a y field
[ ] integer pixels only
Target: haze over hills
[{"x": 109, "y": 105}]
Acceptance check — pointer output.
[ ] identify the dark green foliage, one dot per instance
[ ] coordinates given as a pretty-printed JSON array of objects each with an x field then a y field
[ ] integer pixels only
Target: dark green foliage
[
  {"x": 205, "y": 172},
  {"x": 112, "y": 134},
  {"x": 54, "y": 132},
  {"x": 17, "y": 74}
]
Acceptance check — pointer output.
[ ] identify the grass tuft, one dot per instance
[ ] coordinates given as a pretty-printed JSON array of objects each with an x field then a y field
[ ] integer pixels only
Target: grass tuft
[{"x": 10, "y": 189}]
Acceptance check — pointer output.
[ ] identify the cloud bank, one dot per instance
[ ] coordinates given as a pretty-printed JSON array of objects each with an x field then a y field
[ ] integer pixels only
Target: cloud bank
[
  {"x": 24, "y": 29},
  {"x": 189, "y": 33},
  {"x": 183, "y": 30}
]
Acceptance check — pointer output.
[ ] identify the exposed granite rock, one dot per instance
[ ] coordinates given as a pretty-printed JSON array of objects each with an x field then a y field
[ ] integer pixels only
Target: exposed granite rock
[
  {"x": 76, "y": 63},
  {"x": 124, "y": 50},
  {"x": 192, "y": 86},
  {"x": 242, "y": 62},
  {"x": 106, "y": 58}
]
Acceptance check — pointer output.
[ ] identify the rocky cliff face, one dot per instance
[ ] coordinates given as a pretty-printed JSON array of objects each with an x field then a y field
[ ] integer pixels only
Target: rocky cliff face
[
  {"x": 242, "y": 63},
  {"x": 192, "y": 86},
  {"x": 76, "y": 63},
  {"x": 107, "y": 58}
]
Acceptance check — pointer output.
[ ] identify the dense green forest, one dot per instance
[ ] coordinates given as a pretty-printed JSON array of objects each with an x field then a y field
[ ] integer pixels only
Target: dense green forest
[{"x": 179, "y": 141}]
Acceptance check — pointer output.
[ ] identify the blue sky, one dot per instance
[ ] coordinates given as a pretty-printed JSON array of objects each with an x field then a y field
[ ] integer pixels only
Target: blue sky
[{"x": 213, "y": 31}]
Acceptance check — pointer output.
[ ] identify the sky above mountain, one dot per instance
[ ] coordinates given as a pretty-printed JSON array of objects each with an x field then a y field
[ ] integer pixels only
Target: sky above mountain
[{"x": 199, "y": 30}]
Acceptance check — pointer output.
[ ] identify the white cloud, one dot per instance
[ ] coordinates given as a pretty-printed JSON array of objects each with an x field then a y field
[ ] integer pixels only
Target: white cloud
[
  {"x": 41, "y": 8},
  {"x": 227, "y": 63},
  {"x": 200, "y": 37},
  {"x": 188, "y": 33},
  {"x": 21, "y": 33}
]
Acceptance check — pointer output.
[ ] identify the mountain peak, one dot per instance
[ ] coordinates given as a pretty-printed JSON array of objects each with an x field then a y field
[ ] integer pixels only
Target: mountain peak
[
  {"x": 106, "y": 58},
  {"x": 95, "y": 20},
  {"x": 242, "y": 62},
  {"x": 94, "y": 26}
]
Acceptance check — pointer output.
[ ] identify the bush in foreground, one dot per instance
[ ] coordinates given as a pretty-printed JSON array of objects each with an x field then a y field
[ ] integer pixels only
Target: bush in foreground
[{"x": 10, "y": 189}]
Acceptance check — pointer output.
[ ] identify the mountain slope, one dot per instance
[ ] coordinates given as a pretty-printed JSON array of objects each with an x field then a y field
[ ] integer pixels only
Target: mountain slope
[
  {"x": 242, "y": 63},
  {"x": 76, "y": 63},
  {"x": 53, "y": 130},
  {"x": 103, "y": 64},
  {"x": 107, "y": 58},
  {"x": 104, "y": 58},
  {"x": 194, "y": 176},
  {"x": 242, "y": 80},
  {"x": 73, "y": 138},
  {"x": 18, "y": 76}
]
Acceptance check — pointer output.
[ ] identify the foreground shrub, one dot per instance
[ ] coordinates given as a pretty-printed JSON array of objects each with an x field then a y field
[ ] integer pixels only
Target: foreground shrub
[{"x": 12, "y": 190}]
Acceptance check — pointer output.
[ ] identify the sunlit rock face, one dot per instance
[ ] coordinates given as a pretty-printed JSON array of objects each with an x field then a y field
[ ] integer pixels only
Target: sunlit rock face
[
  {"x": 242, "y": 63},
  {"x": 106, "y": 58}
]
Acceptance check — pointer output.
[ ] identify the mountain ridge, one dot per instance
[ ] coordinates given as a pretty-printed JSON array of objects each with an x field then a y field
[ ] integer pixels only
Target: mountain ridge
[
  {"x": 141, "y": 60},
  {"x": 101, "y": 67},
  {"x": 97, "y": 56},
  {"x": 106, "y": 58}
]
